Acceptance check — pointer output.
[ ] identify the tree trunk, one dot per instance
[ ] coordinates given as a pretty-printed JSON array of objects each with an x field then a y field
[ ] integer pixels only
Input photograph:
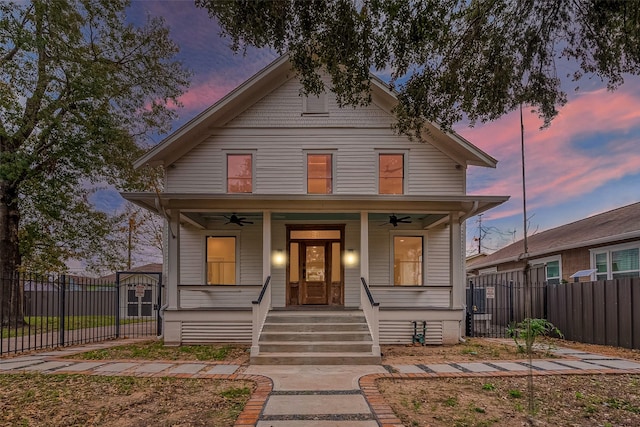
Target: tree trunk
[{"x": 11, "y": 291}]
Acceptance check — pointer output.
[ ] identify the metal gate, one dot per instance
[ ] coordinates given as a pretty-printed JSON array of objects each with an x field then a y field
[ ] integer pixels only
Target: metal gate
[
  {"x": 494, "y": 301},
  {"x": 139, "y": 297}
]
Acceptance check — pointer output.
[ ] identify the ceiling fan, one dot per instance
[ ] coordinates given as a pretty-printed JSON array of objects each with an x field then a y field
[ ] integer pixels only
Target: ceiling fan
[
  {"x": 235, "y": 219},
  {"x": 394, "y": 220}
]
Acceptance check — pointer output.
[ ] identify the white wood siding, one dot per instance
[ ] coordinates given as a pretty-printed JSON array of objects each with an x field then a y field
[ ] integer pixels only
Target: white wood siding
[
  {"x": 422, "y": 296},
  {"x": 280, "y": 162},
  {"x": 379, "y": 256},
  {"x": 401, "y": 332},
  {"x": 437, "y": 257},
  {"x": 191, "y": 297},
  {"x": 278, "y": 133},
  {"x": 193, "y": 252},
  {"x": 283, "y": 108}
]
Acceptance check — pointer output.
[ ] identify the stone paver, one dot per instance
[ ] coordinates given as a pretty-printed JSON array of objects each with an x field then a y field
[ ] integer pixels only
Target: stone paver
[
  {"x": 577, "y": 364},
  {"x": 548, "y": 366},
  {"x": 477, "y": 367},
  {"x": 223, "y": 369},
  {"x": 50, "y": 366},
  {"x": 153, "y": 368},
  {"x": 408, "y": 369},
  {"x": 81, "y": 367},
  {"x": 188, "y": 368},
  {"x": 442, "y": 368},
  {"x": 510, "y": 366},
  {"x": 316, "y": 405},
  {"x": 19, "y": 364},
  {"x": 318, "y": 423},
  {"x": 618, "y": 364},
  {"x": 116, "y": 367}
]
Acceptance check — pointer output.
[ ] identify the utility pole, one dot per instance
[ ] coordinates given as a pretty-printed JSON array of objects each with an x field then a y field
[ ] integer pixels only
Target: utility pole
[{"x": 479, "y": 234}]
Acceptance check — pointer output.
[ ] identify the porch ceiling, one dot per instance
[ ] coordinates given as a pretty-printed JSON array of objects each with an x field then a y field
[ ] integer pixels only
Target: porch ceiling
[{"x": 315, "y": 204}]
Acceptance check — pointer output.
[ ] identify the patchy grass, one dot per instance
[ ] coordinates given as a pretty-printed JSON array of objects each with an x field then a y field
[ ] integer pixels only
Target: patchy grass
[
  {"x": 156, "y": 350},
  {"x": 79, "y": 400},
  {"x": 577, "y": 400},
  {"x": 44, "y": 324}
]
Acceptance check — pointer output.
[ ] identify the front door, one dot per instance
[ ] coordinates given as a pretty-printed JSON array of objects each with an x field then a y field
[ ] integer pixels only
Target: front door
[{"x": 315, "y": 272}]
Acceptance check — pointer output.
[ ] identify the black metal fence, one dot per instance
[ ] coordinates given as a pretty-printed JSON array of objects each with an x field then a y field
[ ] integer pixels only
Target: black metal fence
[
  {"x": 48, "y": 311},
  {"x": 603, "y": 312},
  {"x": 495, "y": 301}
]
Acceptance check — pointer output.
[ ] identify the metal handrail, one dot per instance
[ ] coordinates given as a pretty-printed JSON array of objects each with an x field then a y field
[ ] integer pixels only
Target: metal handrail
[
  {"x": 366, "y": 288},
  {"x": 262, "y": 291}
]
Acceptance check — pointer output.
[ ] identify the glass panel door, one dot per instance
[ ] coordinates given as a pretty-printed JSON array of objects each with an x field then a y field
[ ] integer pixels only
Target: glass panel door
[{"x": 314, "y": 286}]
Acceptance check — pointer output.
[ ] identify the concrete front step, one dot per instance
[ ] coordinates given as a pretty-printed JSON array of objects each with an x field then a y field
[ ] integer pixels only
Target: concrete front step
[
  {"x": 303, "y": 337},
  {"x": 267, "y": 337},
  {"x": 317, "y": 347},
  {"x": 313, "y": 358},
  {"x": 314, "y": 327},
  {"x": 327, "y": 317}
]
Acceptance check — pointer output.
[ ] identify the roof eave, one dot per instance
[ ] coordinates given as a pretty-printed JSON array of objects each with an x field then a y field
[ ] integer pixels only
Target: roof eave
[{"x": 582, "y": 244}]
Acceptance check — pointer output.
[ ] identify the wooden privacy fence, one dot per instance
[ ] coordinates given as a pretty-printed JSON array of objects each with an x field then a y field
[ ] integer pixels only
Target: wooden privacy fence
[{"x": 604, "y": 312}]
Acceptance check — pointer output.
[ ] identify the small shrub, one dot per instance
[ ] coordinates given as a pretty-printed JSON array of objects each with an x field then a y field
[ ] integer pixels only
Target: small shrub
[
  {"x": 451, "y": 401},
  {"x": 488, "y": 386},
  {"x": 516, "y": 394},
  {"x": 528, "y": 330}
]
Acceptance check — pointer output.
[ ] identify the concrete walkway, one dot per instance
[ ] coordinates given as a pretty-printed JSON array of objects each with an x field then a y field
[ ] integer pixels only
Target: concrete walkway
[{"x": 315, "y": 396}]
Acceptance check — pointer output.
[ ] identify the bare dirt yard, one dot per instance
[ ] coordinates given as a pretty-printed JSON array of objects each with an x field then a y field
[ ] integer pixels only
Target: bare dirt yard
[
  {"x": 80, "y": 400},
  {"x": 577, "y": 400}
]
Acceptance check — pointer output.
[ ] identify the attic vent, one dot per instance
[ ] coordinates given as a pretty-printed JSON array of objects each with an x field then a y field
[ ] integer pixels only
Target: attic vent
[{"x": 312, "y": 104}]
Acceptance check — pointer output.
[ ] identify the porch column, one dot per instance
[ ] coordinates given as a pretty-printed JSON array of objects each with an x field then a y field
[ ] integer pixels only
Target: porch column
[
  {"x": 266, "y": 245},
  {"x": 173, "y": 269},
  {"x": 456, "y": 262},
  {"x": 364, "y": 245}
]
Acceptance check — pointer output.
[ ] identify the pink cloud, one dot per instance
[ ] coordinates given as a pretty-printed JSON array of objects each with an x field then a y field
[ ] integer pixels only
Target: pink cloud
[{"x": 557, "y": 171}]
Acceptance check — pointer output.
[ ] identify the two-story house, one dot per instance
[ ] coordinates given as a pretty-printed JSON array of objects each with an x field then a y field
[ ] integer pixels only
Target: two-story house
[{"x": 285, "y": 209}]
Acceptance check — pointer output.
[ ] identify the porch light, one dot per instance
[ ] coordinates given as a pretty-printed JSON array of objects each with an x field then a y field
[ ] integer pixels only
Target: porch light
[
  {"x": 279, "y": 259},
  {"x": 350, "y": 258}
]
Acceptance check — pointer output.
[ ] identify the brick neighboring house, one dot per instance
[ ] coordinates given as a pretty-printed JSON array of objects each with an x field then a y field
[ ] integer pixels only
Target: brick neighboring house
[{"x": 608, "y": 243}]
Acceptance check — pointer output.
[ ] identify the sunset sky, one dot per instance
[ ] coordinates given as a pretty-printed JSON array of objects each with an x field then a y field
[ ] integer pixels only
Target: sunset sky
[{"x": 586, "y": 162}]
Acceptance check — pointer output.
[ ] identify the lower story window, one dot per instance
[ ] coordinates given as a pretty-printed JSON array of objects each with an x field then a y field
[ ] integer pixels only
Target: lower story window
[
  {"x": 407, "y": 260},
  {"x": 221, "y": 260},
  {"x": 552, "y": 272}
]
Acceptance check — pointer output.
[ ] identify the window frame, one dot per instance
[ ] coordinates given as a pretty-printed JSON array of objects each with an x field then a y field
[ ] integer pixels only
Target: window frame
[
  {"x": 546, "y": 261},
  {"x": 205, "y": 278},
  {"x": 423, "y": 265},
  {"x": 405, "y": 168},
  {"x": 308, "y": 153},
  {"x": 225, "y": 183},
  {"x": 608, "y": 250}
]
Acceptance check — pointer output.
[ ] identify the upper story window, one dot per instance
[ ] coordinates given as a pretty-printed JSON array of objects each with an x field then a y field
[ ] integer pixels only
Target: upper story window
[
  {"x": 391, "y": 174},
  {"x": 319, "y": 174},
  {"x": 407, "y": 260},
  {"x": 616, "y": 262},
  {"x": 221, "y": 260},
  {"x": 239, "y": 173}
]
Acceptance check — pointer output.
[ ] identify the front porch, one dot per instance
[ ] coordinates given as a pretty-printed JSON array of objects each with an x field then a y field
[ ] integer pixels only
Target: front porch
[{"x": 300, "y": 253}]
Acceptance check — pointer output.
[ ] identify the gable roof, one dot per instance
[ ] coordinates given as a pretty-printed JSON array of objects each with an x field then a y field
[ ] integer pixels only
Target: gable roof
[
  {"x": 272, "y": 76},
  {"x": 614, "y": 225}
]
